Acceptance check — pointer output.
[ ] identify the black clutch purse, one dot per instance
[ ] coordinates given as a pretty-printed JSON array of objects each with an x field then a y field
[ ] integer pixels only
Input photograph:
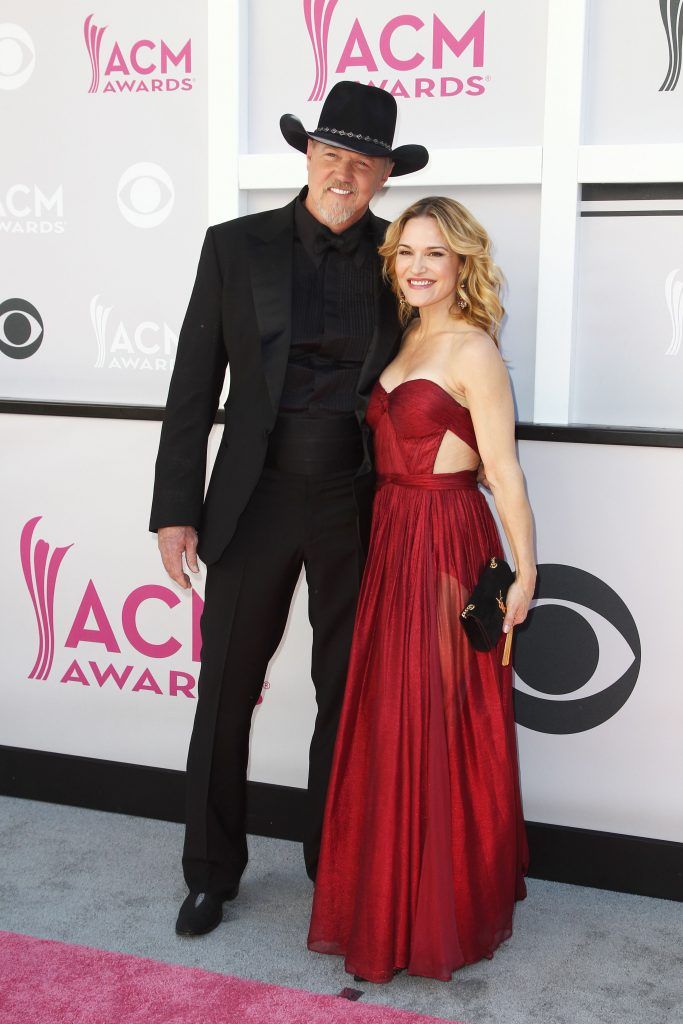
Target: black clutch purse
[{"x": 483, "y": 615}]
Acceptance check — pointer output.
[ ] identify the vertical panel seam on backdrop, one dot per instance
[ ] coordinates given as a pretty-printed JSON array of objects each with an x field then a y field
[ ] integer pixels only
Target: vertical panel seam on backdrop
[
  {"x": 225, "y": 105},
  {"x": 558, "y": 263}
]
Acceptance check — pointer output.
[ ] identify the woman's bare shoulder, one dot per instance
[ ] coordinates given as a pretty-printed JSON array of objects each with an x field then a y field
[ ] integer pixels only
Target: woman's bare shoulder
[
  {"x": 469, "y": 342},
  {"x": 476, "y": 358}
]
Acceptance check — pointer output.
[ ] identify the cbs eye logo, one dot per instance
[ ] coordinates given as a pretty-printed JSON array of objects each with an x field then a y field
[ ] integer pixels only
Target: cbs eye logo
[
  {"x": 21, "y": 329},
  {"x": 17, "y": 56},
  {"x": 558, "y": 653},
  {"x": 145, "y": 195}
]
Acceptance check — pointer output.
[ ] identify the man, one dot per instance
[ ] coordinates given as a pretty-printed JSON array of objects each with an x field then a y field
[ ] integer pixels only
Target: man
[{"x": 293, "y": 300}]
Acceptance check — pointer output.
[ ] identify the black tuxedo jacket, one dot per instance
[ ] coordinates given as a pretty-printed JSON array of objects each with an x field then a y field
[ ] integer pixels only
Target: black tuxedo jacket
[{"x": 240, "y": 314}]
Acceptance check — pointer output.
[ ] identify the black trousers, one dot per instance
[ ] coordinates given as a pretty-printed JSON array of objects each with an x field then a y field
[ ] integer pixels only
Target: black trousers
[{"x": 290, "y": 521}]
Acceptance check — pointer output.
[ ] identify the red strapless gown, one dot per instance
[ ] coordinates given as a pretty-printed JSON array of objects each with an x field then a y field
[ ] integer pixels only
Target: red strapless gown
[{"x": 424, "y": 850}]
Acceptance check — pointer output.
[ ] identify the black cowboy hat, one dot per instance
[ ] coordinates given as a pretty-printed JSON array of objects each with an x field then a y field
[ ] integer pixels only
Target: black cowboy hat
[{"x": 361, "y": 118}]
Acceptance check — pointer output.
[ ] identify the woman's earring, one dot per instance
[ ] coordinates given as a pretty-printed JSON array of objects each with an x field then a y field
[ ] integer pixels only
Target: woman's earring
[{"x": 461, "y": 303}]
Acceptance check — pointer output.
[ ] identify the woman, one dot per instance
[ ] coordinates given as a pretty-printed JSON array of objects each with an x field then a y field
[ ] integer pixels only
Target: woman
[{"x": 424, "y": 849}]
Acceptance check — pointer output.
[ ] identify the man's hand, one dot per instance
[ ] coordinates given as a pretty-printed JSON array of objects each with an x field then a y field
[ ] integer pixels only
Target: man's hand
[{"x": 173, "y": 542}]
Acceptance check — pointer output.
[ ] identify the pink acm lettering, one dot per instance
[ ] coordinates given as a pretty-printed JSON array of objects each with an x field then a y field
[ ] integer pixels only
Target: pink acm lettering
[
  {"x": 357, "y": 52},
  {"x": 100, "y": 676},
  {"x": 473, "y": 37},
  {"x": 150, "y": 592},
  {"x": 169, "y": 57},
  {"x": 363, "y": 59},
  {"x": 75, "y": 674},
  {"x": 181, "y": 682},
  {"x": 117, "y": 63},
  {"x": 101, "y": 632},
  {"x": 141, "y": 69},
  {"x": 197, "y": 609},
  {"x": 149, "y": 683},
  {"x": 385, "y": 40}
]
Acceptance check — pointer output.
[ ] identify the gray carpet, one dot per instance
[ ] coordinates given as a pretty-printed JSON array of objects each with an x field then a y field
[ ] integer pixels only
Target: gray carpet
[{"x": 577, "y": 956}]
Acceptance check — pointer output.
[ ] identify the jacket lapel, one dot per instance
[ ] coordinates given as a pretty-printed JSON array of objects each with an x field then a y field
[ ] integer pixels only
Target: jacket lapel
[
  {"x": 270, "y": 267},
  {"x": 387, "y": 332}
]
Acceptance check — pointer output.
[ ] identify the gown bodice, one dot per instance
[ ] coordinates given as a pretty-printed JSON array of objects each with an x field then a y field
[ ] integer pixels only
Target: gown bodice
[{"x": 410, "y": 422}]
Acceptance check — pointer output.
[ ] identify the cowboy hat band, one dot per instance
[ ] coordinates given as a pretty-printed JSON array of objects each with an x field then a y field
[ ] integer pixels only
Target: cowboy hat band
[
  {"x": 361, "y": 118},
  {"x": 352, "y": 135}
]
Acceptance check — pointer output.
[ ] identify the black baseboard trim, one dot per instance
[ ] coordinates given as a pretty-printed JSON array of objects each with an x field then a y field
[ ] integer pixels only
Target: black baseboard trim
[
  {"x": 89, "y": 410},
  {"x": 587, "y": 433},
  {"x": 579, "y": 433},
  {"x": 606, "y": 860},
  {"x": 631, "y": 191},
  {"x": 603, "y": 860},
  {"x": 632, "y": 213},
  {"x": 136, "y": 789}
]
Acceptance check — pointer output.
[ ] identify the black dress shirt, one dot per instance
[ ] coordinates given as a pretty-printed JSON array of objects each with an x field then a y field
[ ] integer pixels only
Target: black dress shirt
[{"x": 332, "y": 316}]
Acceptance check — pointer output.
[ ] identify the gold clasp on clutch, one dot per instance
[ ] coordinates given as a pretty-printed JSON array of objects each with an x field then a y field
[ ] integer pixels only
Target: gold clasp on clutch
[
  {"x": 464, "y": 613},
  {"x": 501, "y": 602},
  {"x": 493, "y": 564}
]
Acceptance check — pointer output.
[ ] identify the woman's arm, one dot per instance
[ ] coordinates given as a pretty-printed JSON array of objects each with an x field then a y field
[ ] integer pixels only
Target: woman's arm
[{"x": 484, "y": 382}]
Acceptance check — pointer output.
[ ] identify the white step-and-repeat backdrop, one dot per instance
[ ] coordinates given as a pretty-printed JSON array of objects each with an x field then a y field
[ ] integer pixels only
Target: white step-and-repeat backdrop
[
  {"x": 103, "y": 205},
  {"x": 103, "y": 195}
]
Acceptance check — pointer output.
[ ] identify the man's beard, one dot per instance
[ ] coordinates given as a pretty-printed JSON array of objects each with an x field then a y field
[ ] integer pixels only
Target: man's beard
[{"x": 335, "y": 212}]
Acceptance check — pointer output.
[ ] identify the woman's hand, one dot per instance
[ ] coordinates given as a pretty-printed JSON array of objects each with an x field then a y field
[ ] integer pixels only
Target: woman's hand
[
  {"x": 482, "y": 478},
  {"x": 517, "y": 601}
]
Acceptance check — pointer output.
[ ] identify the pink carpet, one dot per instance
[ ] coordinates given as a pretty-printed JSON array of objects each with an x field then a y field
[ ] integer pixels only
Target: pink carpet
[{"x": 46, "y": 982}]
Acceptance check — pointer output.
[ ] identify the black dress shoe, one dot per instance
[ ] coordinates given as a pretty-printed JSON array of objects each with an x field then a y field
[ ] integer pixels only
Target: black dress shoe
[{"x": 201, "y": 912}]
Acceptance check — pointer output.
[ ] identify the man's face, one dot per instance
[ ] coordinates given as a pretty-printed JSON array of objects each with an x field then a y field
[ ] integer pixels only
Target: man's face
[{"x": 341, "y": 183}]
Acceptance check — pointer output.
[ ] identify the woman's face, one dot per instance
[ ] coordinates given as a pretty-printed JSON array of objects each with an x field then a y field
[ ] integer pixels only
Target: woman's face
[{"x": 426, "y": 269}]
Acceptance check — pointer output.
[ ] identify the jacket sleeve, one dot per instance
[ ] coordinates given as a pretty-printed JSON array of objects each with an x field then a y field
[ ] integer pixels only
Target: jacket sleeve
[{"x": 195, "y": 388}]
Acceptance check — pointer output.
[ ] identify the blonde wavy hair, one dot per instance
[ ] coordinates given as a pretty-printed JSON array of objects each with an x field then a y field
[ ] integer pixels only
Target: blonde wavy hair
[{"x": 480, "y": 280}]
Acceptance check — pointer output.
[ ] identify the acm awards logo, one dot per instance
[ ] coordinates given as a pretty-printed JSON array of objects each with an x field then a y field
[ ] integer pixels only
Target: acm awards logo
[
  {"x": 21, "y": 329},
  {"x": 406, "y": 56},
  {"x": 147, "y": 345},
  {"x": 672, "y": 16},
  {"x": 144, "y": 65},
  {"x": 95, "y": 632},
  {"x": 28, "y": 210},
  {"x": 100, "y": 626},
  {"x": 557, "y": 654}
]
